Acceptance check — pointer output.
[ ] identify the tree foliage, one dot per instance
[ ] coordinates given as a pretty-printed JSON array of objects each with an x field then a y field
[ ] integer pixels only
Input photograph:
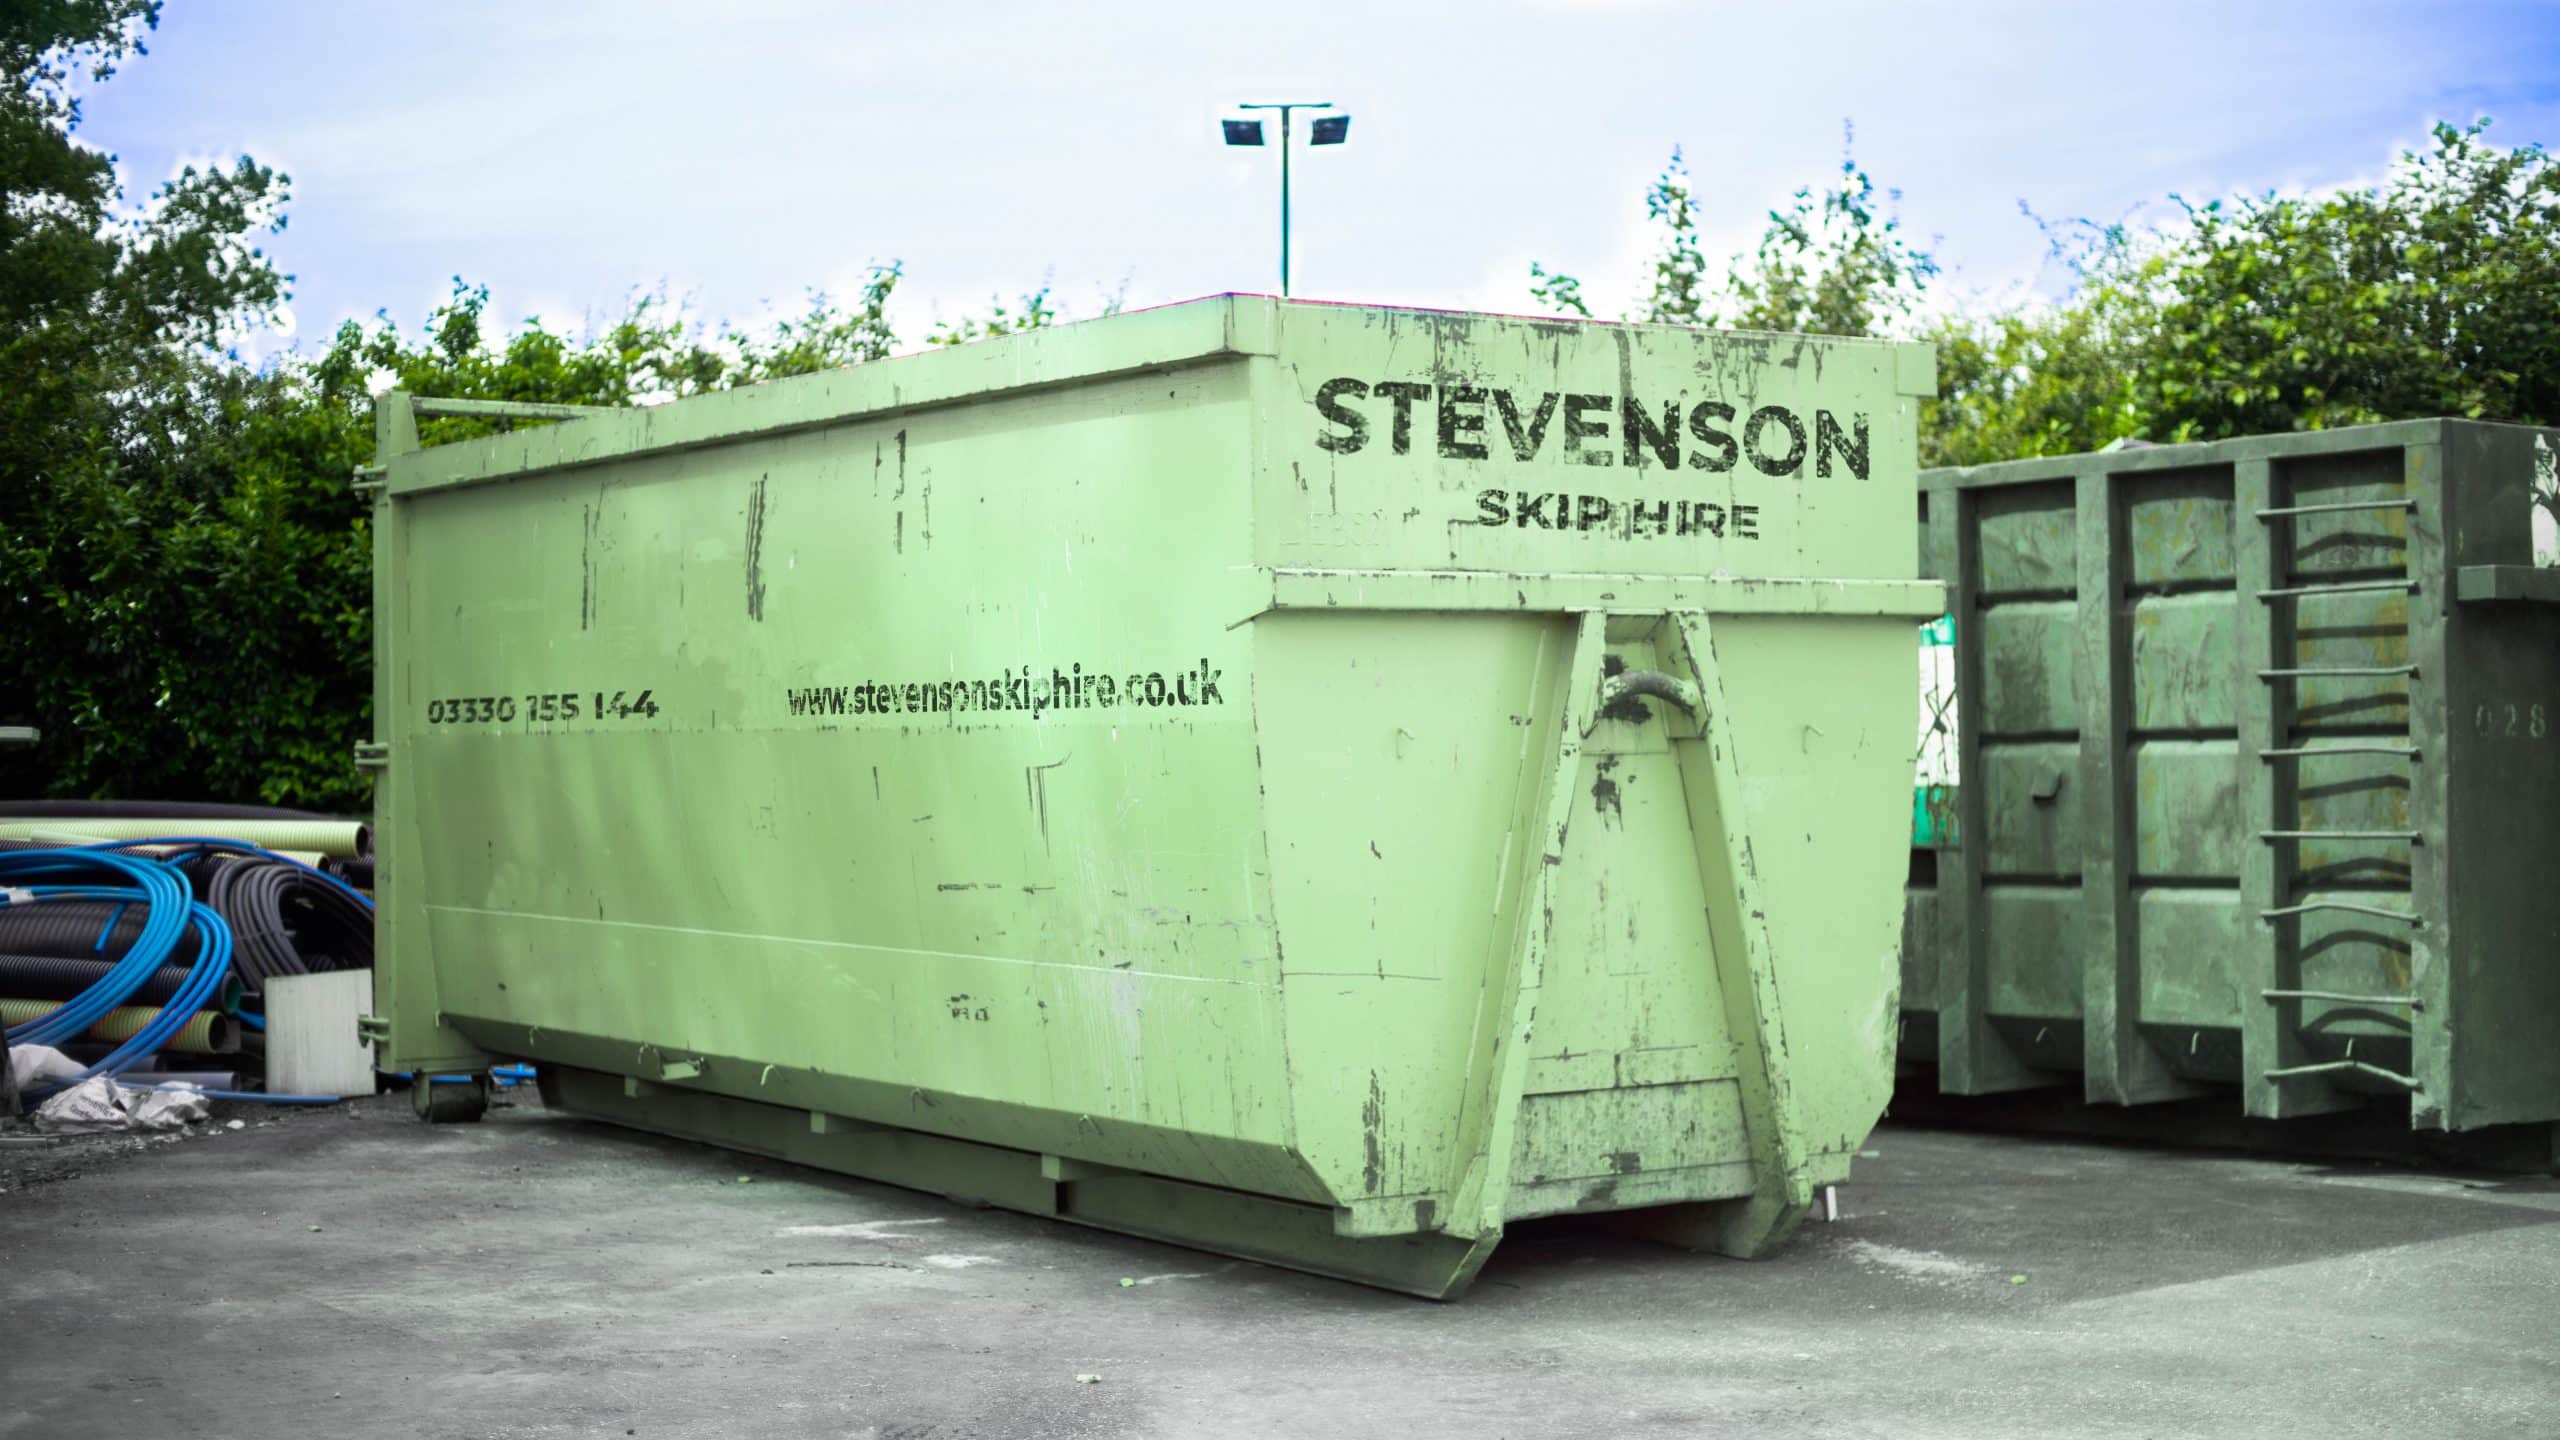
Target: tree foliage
[
  {"x": 203, "y": 611},
  {"x": 141, "y": 583},
  {"x": 185, "y": 572},
  {"x": 2022, "y": 382},
  {"x": 1680, "y": 268},
  {"x": 1034, "y": 312},
  {"x": 94, "y": 298},
  {"x": 1833, "y": 263},
  {"x": 2435, "y": 291}
]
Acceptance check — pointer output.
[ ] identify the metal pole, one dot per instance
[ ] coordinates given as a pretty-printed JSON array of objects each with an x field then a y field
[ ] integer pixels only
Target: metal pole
[
  {"x": 1284, "y": 200},
  {"x": 1285, "y": 131}
]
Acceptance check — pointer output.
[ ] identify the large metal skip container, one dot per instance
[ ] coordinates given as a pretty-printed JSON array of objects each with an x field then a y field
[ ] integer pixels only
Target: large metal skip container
[
  {"x": 2253, "y": 751},
  {"x": 1308, "y": 782}
]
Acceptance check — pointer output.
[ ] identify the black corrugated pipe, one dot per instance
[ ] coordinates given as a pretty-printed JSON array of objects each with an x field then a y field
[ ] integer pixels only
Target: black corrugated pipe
[
  {"x": 71, "y": 930},
  {"x": 150, "y": 810},
  {"x": 51, "y": 977}
]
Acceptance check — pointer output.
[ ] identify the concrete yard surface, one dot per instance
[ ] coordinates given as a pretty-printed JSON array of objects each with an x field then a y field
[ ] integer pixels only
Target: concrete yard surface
[{"x": 355, "y": 1273}]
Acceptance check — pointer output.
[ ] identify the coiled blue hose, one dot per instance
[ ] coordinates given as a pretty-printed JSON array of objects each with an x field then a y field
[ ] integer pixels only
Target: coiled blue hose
[
  {"x": 213, "y": 961},
  {"x": 75, "y": 874}
]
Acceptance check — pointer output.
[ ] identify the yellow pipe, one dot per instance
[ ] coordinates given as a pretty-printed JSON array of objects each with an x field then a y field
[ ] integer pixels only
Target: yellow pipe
[{"x": 209, "y": 1033}]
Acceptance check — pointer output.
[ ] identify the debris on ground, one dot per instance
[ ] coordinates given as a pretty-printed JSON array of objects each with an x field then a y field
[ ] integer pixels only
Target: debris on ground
[{"x": 102, "y": 1104}]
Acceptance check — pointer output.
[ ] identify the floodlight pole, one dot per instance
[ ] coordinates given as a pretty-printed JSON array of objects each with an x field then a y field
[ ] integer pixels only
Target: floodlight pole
[{"x": 1284, "y": 110}]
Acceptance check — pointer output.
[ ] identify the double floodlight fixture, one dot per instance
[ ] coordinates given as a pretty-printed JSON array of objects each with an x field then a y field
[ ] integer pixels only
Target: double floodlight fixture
[{"x": 1324, "y": 130}]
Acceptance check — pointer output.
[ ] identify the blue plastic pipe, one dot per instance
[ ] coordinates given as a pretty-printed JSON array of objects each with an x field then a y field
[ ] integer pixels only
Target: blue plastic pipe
[{"x": 36, "y": 876}]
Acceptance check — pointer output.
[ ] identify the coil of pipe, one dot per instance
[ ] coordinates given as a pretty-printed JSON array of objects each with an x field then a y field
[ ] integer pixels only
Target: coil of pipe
[
  {"x": 165, "y": 894},
  {"x": 287, "y": 920},
  {"x": 53, "y": 877},
  {"x": 213, "y": 962}
]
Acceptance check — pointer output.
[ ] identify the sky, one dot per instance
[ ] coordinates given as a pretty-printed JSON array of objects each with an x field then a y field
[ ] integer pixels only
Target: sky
[{"x": 738, "y": 154}]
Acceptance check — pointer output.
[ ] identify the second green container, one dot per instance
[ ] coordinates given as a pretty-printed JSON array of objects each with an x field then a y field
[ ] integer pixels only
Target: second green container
[{"x": 2255, "y": 752}]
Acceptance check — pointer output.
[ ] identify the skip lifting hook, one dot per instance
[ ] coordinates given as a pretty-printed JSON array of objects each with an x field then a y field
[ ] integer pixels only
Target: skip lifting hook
[{"x": 1670, "y": 689}]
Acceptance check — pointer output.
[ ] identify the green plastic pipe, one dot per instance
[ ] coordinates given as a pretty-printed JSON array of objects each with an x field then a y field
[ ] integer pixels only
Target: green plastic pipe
[
  {"x": 340, "y": 839},
  {"x": 311, "y": 858}
]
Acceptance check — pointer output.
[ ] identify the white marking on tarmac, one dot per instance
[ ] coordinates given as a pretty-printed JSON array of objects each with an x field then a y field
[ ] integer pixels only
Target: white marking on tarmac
[
  {"x": 1927, "y": 1265},
  {"x": 958, "y": 1262},
  {"x": 859, "y": 1230},
  {"x": 1184, "y": 1275}
]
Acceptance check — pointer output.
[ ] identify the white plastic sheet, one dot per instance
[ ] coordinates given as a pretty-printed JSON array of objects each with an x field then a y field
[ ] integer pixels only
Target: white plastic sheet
[
  {"x": 31, "y": 1066},
  {"x": 102, "y": 1104}
]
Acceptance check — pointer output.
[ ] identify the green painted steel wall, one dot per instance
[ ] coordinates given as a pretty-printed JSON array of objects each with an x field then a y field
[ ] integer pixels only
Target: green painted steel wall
[
  {"x": 2257, "y": 739},
  {"x": 1277, "y": 837}
]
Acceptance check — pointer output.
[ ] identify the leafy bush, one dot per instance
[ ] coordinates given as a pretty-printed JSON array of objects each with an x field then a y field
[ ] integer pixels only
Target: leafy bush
[{"x": 2431, "y": 292}]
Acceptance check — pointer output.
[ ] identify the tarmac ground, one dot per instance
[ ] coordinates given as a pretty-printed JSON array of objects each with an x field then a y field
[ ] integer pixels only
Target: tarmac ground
[{"x": 355, "y": 1273}]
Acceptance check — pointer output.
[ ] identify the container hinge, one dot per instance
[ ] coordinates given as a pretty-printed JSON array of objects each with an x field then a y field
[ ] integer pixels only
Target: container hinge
[
  {"x": 373, "y": 755},
  {"x": 371, "y": 479},
  {"x": 373, "y": 1030},
  {"x": 2338, "y": 672},
  {"x": 2411, "y": 836},
  {"x": 2339, "y": 997}
]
